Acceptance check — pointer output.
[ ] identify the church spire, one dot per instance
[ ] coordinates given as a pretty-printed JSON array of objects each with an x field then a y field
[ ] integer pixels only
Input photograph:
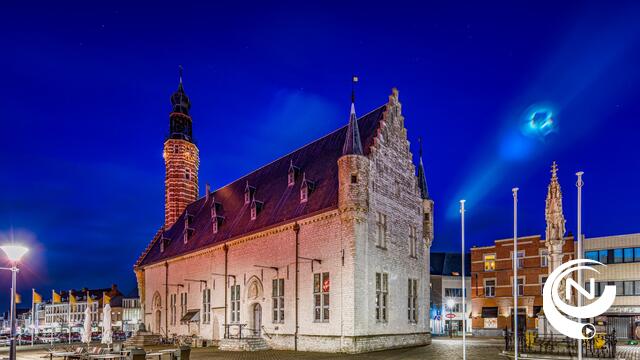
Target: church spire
[
  {"x": 352, "y": 143},
  {"x": 422, "y": 180},
  {"x": 553, "y": 211},
  {"x": 180, "y": 124}
]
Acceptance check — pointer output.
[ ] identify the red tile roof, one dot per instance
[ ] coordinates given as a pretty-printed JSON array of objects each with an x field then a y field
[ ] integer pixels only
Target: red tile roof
[{"x": 281, "y": 203}]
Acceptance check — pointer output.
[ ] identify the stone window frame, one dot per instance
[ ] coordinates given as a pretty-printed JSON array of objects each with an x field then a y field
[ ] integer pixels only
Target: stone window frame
[
  {"x": 484, "y": 286},
  {"x": 524, "y": 284},
  {"x": 321, "y": 297},
  {"x": 277, "y": 298},
  {"x": 206, "y": 305},
  {"x": 544, "y": 257},
  {"x": 412, "y": 300},
  {"x": 172, "y": 308},
  {"x": 382, "y": 297},
  {"x": 484, "y": 261},
  {"x": 413, "y": 242},
  {"x": 382, "y": 227},
  {"x": 235, "y": 303}
]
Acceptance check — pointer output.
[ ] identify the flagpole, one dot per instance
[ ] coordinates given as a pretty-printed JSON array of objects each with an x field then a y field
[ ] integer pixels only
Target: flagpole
[
  {"x": 579, "y": 185},
  {"x": 33, "y": 326},
  {"x": 515, "y": 272},
  {"x": 69, "y": 320},
  {"x": 464, "y": 299}
]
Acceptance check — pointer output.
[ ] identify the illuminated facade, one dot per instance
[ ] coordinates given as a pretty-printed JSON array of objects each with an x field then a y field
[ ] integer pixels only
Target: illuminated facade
[{"x": 339, "y": 229}]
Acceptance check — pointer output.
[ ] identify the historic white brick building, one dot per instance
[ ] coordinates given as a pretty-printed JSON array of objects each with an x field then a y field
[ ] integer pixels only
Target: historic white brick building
[{"x": 342, "y": 224}]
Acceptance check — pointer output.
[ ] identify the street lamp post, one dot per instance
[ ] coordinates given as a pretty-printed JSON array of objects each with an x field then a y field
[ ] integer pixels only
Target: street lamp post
[
  {"x": 515, "y": 272},
  {"x": 579, "y": 185},
  {"x": 464, "y": 299},
  {"x": 14, "y": 254}
]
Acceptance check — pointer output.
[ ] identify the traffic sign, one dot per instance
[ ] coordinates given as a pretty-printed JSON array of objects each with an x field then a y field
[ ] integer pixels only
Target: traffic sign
[{"x": 450, "y": 316}]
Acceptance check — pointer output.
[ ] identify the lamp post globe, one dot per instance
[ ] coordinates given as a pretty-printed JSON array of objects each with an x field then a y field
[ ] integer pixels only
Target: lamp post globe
[{"x": 14, "y": 253}]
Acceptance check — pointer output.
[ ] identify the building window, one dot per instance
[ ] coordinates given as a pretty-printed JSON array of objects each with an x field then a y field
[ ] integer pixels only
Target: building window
[
  {"x": 256, "y": 206},
  {"x": 454, "y": 307},
  {"x": 617, "y": 256},
  {"x": 235, "y": 303},
  {"x": 183, "y": 304},
  {"x": 490, "y": 287},
  {"x": 544, "y": 257},
  {"x": 603, "y": 256},
  {"x": 304, "y": 193},
  {"x": 354, "y": 178},
  {"x": 637, "y": 287},
  {"x": 628, "y": 287},
  {"x": 172, "y": 308},
  {"x": 520, "y": 259},
  {"x": 206, "y": 306},
  {"x": 321, "y": 288},
  {"x": 291, "y": 177},
  {"x": 490, "y": 262},
  {"x": 628, "y": 255},
  {"x": 382, "y": 231},
  {"x": 543, "y": 280},
  {"x": 187, "y": 174},
  {"x": 520, "y": 286},
  {"x": 413, "y": 242},
  {"x": 453, "y": 292},
  {"x": 382, "y": 296},
  {"x": 277, "y": 295},
  {"x": 591, "y": 255},
  {"x": 636, "y": 255},
  {"x": 412, "y": 312}
]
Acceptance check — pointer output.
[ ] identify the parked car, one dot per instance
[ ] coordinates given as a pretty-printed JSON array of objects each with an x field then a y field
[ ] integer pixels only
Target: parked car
[{"x": 4, "y": 341}]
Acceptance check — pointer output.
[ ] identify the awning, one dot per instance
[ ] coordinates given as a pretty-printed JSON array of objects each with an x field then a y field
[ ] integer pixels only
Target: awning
[{"x": 191, "y": 316}]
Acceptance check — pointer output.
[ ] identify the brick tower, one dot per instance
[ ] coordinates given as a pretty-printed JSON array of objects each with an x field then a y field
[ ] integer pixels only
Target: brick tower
[{"x": 181, "y": 159}]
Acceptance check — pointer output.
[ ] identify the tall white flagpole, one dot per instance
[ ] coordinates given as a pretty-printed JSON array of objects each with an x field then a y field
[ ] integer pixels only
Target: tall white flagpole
[
  {"x": 515, "y": 272},
  {"x": 464, "y": 298},
  {"x": 580, "y": 253},
  {"x": 33, "y": 324}
]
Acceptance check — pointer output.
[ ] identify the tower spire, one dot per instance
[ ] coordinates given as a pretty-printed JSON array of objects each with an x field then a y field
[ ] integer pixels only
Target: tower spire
[
  {"x": 352, "y": 143},
  {"x": 555, "y": 220},
  {"x": 422, "y": 180}
]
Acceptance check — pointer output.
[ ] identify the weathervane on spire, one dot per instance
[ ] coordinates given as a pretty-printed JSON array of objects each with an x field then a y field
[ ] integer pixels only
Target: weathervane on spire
[{"x": 180, "y": 72}]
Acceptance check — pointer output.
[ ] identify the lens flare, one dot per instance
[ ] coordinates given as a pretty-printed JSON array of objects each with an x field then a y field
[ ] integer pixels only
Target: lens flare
[{"x": 539, "y": 121}]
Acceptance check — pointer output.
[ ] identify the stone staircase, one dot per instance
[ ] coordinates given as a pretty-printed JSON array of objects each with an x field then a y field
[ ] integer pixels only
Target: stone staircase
[
  {"x": 245, "y": 344},
  {"x": 142, "y": 339}
]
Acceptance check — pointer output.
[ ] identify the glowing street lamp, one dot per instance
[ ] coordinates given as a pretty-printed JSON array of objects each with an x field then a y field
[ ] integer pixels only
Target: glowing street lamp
[{"x": 14, "y": 254}]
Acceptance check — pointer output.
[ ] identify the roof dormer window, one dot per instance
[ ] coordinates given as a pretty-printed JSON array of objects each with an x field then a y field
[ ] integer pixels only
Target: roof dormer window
[
  {"x": 256, "y": 207},
  {"x": 306, "y": 188},
  {"x": 188, "y": 229},
  {"x": 292, "y": 174},
  {"x": 163, "y": 243},
  {"x": 249, "y": 192},
  {"x": 216, "y": 216}
]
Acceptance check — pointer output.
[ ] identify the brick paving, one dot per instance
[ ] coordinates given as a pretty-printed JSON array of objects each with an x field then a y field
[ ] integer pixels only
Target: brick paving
[
  {"x": 441, "y": 348},
  {"x": 628, "y": 352}
]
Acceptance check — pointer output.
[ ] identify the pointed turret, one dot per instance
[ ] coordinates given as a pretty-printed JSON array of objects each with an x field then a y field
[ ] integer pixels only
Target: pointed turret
[
  {"x": 422, "y": 180},
  {"x": 352, "y": 143}
]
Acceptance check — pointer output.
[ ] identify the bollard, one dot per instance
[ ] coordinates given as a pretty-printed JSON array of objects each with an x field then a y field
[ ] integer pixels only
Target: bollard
[{"x": 137, "y": 354}]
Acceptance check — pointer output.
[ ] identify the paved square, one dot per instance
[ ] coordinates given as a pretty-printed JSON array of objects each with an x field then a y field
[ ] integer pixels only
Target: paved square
[{"x": 441, "y": 348}]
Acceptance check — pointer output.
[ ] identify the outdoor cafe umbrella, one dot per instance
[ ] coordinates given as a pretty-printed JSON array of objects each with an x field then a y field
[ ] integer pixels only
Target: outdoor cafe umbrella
[
  {"x": 86, "y": 330},
  {"x": 106, "y": 325}
]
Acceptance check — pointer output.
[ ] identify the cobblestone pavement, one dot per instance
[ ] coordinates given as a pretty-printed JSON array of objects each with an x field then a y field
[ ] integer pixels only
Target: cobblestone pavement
[
  {"x": 441, "y": 348},
  {"x": 628, "y": 352}
]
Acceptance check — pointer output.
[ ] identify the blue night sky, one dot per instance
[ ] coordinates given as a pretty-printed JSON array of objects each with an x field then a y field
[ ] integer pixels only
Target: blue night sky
[{"x": 85, "y": 102}]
